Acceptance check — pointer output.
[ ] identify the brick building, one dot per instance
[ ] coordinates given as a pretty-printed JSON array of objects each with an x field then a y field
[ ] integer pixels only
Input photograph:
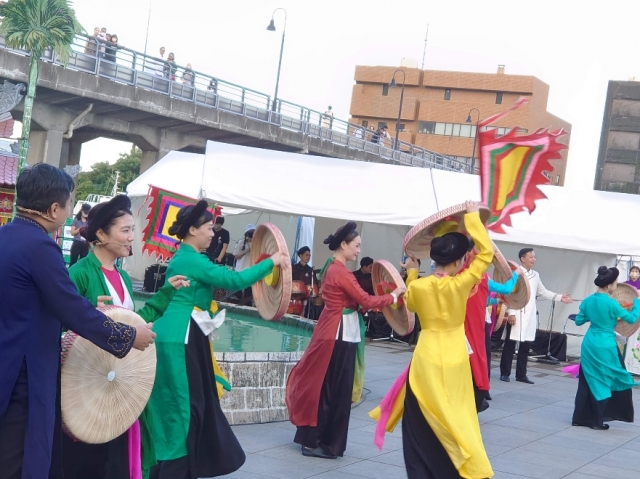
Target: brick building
[
  {"x": 618, "y": 167},
  {"x": 437, "y": 104}
]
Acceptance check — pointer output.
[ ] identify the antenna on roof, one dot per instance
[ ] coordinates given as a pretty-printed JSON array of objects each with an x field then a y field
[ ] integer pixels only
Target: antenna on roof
[{"x": 424, "y": 52}]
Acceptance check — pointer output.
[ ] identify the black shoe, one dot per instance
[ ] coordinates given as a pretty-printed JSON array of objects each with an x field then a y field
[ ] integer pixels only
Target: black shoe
[
  {"x": 505, "y": 379},
  {"x": 604, "y": 427},
  {"x": 484, "y": 406},
  {"x": 487, "y": 396},
  {"x": 525, "y": 380},
  {"x": 317, "y": 452}
]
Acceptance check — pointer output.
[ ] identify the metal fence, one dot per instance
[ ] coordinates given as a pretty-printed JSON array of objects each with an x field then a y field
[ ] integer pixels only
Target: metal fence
[{"x": 107, "y": 60}]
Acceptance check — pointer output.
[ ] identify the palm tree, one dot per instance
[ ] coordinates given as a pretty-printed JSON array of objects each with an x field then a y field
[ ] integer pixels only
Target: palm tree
[{"x": 35, "y": 25}]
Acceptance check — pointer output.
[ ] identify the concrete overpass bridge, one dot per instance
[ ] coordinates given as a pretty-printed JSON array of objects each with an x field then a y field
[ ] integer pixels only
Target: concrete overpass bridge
[{"x": 161, "y": 107}]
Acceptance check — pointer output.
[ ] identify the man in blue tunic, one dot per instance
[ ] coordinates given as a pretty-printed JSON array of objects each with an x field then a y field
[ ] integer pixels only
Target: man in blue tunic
[{"x": 37, "y": 298}]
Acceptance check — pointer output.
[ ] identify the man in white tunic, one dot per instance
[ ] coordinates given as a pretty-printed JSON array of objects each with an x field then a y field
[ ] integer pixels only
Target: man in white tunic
[{"x": 522, "y": 323}]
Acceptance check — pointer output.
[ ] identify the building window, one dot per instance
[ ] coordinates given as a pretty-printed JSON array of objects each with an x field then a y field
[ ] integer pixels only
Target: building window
[
  {"x": 365, "y": 123},
  {"x": 426, "y": 127},
  {"x": 499, "y": 98},
  {"x": 381, "y": 124},
  {"x": 447, "y": 129},
  {"x": 447, "y": 94},
  {"x": 385, "y": 89}
]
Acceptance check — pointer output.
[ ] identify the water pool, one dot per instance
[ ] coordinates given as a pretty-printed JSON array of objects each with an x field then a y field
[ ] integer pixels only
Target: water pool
[{"x": 245, "y": 331}]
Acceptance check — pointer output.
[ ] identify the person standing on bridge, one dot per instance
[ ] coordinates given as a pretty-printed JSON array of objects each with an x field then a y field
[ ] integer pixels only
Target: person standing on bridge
[
  {"x": 91, "y": 47},
  {"x": 327, "y": 122},
  {"x": 170, "y": 67}
]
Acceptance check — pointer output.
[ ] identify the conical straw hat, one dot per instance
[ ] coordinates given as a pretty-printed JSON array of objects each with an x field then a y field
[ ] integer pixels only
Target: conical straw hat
[
  {"x": 501, "y": 316},
  {"x": 625, "y": 294},
  {"x": 385, "y": 279},
  {"x": 273, "y": 293},
  {"x": 521, "y": 294},
  {"x": 417, "y": 242},
  {"x": 102, "y": 396}
]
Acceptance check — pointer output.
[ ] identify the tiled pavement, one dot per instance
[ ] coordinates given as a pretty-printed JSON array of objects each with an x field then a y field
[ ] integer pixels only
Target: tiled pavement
[{"x": 527, "y": 433}]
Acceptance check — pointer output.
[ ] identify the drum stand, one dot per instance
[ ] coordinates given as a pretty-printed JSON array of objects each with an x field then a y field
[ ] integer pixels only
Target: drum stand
[
  {"x": 391, "y": 339},
  {"x": 547, "y": 358}
]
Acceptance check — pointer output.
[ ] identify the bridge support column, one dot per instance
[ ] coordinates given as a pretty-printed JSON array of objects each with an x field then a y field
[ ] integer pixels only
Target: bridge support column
[
  {"x": 45, "y": 147},
  {"x": 75, "y": 149},
  {"x": 149, "y": 158},
  {"x": 73, "y": 158}
]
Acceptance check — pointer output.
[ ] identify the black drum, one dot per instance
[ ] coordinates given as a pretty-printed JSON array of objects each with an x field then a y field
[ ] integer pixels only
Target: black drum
[{"x": 154, "y": 277}]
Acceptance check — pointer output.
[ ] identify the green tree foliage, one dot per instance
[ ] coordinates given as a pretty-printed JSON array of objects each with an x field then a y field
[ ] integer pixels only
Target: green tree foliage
[
  {"x": 99, "y": 181},
  {"x": 36, "y": 25}
]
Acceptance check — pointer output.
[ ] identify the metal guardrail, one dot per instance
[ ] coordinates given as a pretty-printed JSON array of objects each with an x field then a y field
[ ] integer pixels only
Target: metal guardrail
[{"x": 107, "y": 60}]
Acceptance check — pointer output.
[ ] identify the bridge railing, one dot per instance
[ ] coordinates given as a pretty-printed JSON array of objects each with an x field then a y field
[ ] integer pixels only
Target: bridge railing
[{"x": 123, "y": 65}]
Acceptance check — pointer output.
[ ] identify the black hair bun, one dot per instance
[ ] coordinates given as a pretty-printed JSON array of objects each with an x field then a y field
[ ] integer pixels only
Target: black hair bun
[
  {"x": 173, "y": 229},
  {"x": 328, "y": 239},
  {"x": 445, "y": 245},
  {"x": 602, "y": 270}
]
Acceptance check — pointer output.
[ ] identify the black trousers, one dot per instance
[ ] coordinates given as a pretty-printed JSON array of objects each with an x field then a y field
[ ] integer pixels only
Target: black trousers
[
  {"x": 487, "y": 341},
  {"x": 79, "y": 249},
  {"x": 508, "y": 350},
  {"x": 591, "y": 413},
  {"x": 424, "y": 455},
  {"x": 334, "y": 409},
  {"x": 13, "y": 428}
]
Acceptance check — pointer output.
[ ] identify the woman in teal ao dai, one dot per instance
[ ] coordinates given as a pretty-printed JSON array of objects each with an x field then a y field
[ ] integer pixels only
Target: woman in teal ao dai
[{"x": 604, "y": 388}]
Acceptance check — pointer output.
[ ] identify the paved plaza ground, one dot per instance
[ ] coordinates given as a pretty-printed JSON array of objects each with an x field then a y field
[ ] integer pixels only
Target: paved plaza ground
[{"x": 527, "y": 433}]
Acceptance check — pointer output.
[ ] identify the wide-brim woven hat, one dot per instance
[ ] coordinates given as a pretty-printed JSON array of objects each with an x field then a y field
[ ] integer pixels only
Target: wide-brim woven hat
[
  {"x": 501, "y": 316},
  {"x": 625, "y": 294},
  {"x": 385, "y": 279},
  {"x": 102, "y": 396},
  {"x": 417, "y": 242},
  {"x": 272, "y": 293},
  {"x": 521, "y": 294},
  {"x": 500, "y": 262}
]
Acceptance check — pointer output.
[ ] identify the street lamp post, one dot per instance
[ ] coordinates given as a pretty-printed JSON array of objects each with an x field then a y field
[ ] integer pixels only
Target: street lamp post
[
  {"x": 393, "y": 84},
  {"x": 475, "y": 139},
  {"x": 272, "y": 28}
]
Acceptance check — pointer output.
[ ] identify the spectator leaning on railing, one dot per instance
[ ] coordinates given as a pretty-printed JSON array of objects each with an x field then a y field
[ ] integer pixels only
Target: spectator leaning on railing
[
  {"x": 102, "y": 38},
  {"x": 170, "y": 67},
  {"x": 112, "y": 47},
  {"x": 188, "y": 77},
  {"x": 91, "y": 46}
]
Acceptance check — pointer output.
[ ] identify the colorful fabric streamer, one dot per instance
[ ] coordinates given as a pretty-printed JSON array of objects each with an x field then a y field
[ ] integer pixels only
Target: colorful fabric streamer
[
  {"x": 389, "y": 413},
  {"x": 573, "y": 369},
  {"x": 512, "y": 167},
  {"x": 163, "y": 210}
]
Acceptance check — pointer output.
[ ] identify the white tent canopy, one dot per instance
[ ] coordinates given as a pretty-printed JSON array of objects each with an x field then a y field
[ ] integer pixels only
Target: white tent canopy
[
  {"x": 306, "y": 185},
  {"x": 574, "y": 232}
]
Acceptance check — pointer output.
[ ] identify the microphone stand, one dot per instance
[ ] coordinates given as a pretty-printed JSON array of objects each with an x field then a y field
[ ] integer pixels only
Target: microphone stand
[{"x": 547, "y": 358}]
